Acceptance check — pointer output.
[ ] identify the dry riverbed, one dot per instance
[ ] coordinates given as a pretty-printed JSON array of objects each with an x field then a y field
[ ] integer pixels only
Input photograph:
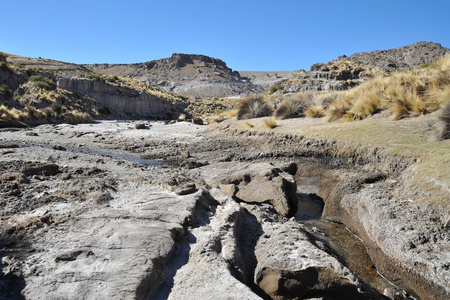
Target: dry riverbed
[{"x": 110, "y": 211}]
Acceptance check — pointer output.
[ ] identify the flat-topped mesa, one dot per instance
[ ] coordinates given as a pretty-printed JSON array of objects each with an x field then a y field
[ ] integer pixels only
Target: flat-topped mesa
[{"x": 180, "y": 60}]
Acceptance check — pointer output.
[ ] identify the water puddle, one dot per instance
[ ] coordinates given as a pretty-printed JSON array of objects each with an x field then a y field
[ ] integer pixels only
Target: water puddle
[
  {"x": 138, "y": 160},
  {"x": 135, "y": 159}
]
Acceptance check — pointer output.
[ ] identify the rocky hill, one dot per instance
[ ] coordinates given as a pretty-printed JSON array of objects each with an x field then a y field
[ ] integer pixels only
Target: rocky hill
[
  {"x": 400, "y": 59},
  {"x": 187, "y": 74},
  {"x": 36, "y": 90},
  {"x": 349, "y": 71}
]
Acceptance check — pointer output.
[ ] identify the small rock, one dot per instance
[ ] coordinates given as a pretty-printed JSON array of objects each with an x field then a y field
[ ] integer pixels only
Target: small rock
[
  {"x": 197, "y": 121},
  {"x": 186, "y": 189},
  {"x": 59, "y": 148},
  {"x": 395, "y": 294},
  {"x": 68, "y": 256},
  {"x": 141, "y": 126}
]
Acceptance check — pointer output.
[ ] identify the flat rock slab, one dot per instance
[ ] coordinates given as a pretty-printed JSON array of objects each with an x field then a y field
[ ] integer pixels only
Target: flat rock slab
[{"x": 115, "y": 251}]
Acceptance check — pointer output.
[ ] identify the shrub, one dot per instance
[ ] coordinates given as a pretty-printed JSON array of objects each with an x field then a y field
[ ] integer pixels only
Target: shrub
[
  {"x": 56, "y": 107},
  {"x": 182, "y": 97},
  {"x": 4, "y": 67},
  {"x": 294, "y": 106},
  {"x": 111, "y": 78},
  {"x": 94, "y": 76},
  {"x": 445, "y": 118},
  {"x": 76, "y": 116},
  {"x": 5, "y": 92},
  {"x": 315, "y": 111},
  {"x": 316, "y": 66},
  {"x": 42, "y": 82},
  {"x": 253, "y": 106},
  {"x": 276, "y": 87}
]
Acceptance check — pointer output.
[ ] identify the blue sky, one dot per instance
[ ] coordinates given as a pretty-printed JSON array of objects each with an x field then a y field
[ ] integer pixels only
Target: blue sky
[{"x": 247, "y": 35}]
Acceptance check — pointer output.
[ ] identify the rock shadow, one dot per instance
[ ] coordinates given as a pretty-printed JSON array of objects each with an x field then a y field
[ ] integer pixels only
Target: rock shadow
[
  {"x": 310, "y": 207},
  {"x": 180, "y": 258},
  {"x": 11, "y": 282},
  {"x": 247, "y": 231}
]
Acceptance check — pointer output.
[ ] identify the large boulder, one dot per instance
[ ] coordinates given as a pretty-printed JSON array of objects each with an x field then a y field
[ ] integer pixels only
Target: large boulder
[{"x": 263, "y": 183}]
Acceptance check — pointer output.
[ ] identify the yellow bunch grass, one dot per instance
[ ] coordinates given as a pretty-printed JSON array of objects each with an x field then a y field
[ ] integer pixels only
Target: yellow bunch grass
[
  {"x": 403, "y": 94},
  {"x": 271, "y": 123}
]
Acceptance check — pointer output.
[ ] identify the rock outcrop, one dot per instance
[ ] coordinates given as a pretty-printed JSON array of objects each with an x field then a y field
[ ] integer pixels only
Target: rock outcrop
[{"x": 281, "y": 278}]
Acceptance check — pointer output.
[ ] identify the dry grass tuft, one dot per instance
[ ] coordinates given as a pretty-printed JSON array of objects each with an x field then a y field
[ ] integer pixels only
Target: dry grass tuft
[
  {"x": 315, "y": 111},
  {"x": 293, "y": 106},
  {"x": 231, "y": 114},
  {"x": 271, "y": 123},
  {"x": 249, "y": 124},
  {"x": 337, "y": 109},
  {"x": 182, "y": 117},
  {"x": 253, "y": 106},
  {"x": 403, "y": 94},
  {"x": 76, "y": 116}
]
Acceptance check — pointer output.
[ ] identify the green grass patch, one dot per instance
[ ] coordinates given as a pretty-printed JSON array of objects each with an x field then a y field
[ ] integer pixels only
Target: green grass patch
[
  {"x": 5, "y": 92},
  {"x": 276, "y": 87},
  {"x": 42, "y": 82}
]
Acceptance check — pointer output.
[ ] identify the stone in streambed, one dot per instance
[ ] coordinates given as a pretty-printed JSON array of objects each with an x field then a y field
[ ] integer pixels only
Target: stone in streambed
[{"x": 263, "y": 183}]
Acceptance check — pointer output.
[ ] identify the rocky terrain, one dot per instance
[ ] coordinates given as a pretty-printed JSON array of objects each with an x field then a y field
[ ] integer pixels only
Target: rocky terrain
[
  {"x": 109, "y": 211},
  {"x": 303, "y": 209}
]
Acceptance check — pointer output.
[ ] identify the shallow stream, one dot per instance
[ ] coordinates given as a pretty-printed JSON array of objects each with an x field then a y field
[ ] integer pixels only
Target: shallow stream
[{"x": 345, "y": 245}]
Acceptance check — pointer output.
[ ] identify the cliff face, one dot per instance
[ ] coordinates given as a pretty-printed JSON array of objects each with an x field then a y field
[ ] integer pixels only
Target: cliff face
[{"x": 122, "y": 101}]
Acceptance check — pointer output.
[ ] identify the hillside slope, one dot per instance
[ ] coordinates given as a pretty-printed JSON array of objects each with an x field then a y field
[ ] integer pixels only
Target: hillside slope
[
  {"x": 188, "y": 74},
  {"x": 346, "y": 72},
  {"x": 401, "y": 58}
]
